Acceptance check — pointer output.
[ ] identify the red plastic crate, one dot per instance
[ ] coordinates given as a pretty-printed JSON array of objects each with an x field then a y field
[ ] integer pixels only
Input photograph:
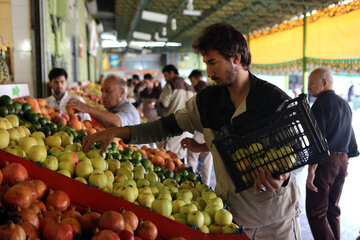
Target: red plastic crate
[{"x": 85, "y": 196}]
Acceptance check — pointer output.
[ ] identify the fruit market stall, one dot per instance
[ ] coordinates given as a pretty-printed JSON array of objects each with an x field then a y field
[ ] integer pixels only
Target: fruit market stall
[{"x": 151, "y": 183}]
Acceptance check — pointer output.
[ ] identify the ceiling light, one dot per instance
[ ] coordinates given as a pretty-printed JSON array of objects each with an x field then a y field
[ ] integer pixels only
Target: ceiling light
[
  {"x": 164, "y": 31},
  {"x": 113, "y": 44},
  {"x": 173, "y": 24},
  {"x": 142, "y": 36},
  {"x": 154, "y": 16},
  {"x": 108, "y": 36},
  {"x": 173, "y": 44},
  {"x": 190, "y": 9}
]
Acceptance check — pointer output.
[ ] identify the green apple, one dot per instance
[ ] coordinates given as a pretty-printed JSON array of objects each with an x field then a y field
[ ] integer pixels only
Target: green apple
[
  {"x": 69, "y": 156},
  {"x": 51, "y": 163},
  {"x": 142, "y": 183},
  {"x": 181, "y": 218},
  {"x": 159, "y": 185},
  {"x": 155, "y": 191},
  {"x": 223, "y": 217},
  {"x": 195, "y": 193},
  {"x": 152, "y": 177},
  {"x": 188, "y": 208},
  {"x": 139, "y": 168},
  {"x": 113, "y": 164},
  {"x": 129, "y": 193},
  {"x": 165, "y": 194},
  {"x": 40, "y": 142},
  {"x": 67, "y": 165},
  {"x": 186, "y": 200},
  {"x": 216, "y": 201},
  {"x": 204, "y": 229},
  {"x": 186, "y": 185},
  {"x": 65, "y": 172},
  {"x": 99, "y": 163},
  {"x": 93, "y": 153},
  {"x": 37, "y": 153},
  {"x": 53, "y": 141},
  {"x": 38, "y": 135},
  {"x": 162, "y": 206},
  {"x": 26, "y": 143},
  {"x": 110, "y": 176},
  {"x": 120, "y": 178},
  {"x": 215, "y": 229},
  {"x": 197, "y": 205},
  {"x": 81, "y": 154},
  {"x": 211, "y": 209},
  {"x": 126, "y": 171},
  {"x": 207, "y": 218},
  {"x": 65, "y": 138},
  {"x": 85, "y": 160},
  {"x": 145, "y": 190},
  {"x": 208, "y": 194},
  {"x": 128, "y": 165},
  {"x": 81, "y": 179},
  {"x": 145, "y": 199},
  {"x": 16, "y": 150},
  {"x": 202, "y": 203},
  {"x": 170, "y": 181},
  {"x": 230, "y": 228},
  {"x": 184, "y": 193},
  {"x": 176, "y": 205},
  {"x": 129, "y": 182},
  {"x": 13, "y": 119},
  {"x": 83, "y": 169},
  {"x": 98, "y": 180},
  {"x": 195, "y": 218},
  {"x": 73, "y": 147},
  {"x": 138, "y": 175},
  {"x": 173, "y": 190},
  {"x": 14, "y": 134},
  {"x": 109, "y": 187},
  {"x": 21, "y": 131},
  {"x": 201, "y": 186}
]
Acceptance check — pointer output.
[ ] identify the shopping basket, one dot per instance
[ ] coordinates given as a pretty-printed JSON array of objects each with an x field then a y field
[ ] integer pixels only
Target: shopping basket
[{"x": 286, "y": 140}]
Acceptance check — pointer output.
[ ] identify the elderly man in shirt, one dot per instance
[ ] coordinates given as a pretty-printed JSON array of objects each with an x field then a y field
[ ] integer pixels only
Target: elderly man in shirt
[
  {"x": 59, "y": 97},
  {"x": 120, "y": 112}
]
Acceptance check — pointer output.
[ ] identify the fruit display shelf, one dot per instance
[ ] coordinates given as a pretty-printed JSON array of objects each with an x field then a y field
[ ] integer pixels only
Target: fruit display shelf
[{"x": 84, "y": 196}]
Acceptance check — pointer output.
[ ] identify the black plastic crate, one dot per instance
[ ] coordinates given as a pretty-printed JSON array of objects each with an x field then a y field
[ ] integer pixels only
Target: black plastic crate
[{"x": 282, "y": 142}]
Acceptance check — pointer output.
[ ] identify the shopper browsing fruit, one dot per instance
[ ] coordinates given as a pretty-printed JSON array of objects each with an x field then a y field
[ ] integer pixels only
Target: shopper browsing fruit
[
  {"x": 326, "y": 179},
  {"x": 270, "y": 213},
  {"x": 120, "y": 112},
  {"x": 60, "y": 96}
]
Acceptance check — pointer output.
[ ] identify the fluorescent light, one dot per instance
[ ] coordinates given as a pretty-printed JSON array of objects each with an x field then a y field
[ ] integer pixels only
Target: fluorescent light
[
  {"x": 108, "y": 36},
  {"x": 173, "y": 44},
  {"x": 154, "y": 16},
  {"x": 192, "y": 12},
  {"x": 113, "y": 44},
  {"x": 142, "y": 35},
  {"x": 147, "y": 44}
]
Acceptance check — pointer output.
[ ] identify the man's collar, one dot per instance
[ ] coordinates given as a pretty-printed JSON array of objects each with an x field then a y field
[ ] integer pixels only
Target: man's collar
[
  {"x": 115, "y": 109},
  {"x": 64, "y": 96},
  {"x": 327, "y": 92}
]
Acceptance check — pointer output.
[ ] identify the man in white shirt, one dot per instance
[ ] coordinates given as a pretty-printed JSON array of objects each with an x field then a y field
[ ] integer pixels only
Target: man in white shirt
[
  {"x": 59, "y": 97},
  {"x": 120, "y": 112}
]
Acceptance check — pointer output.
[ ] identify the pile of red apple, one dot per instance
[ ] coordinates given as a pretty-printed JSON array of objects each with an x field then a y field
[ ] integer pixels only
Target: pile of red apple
[{"x": 41, "y": 213}]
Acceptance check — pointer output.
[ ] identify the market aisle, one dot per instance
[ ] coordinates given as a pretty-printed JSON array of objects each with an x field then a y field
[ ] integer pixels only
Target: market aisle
[{"x": 349, "y": 203}]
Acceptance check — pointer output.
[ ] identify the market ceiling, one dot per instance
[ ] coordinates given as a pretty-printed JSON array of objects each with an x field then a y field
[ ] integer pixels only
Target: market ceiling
[{"x": 125, "y": 17}]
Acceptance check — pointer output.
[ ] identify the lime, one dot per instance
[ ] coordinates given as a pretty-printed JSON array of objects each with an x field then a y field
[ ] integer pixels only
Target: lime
[
  {"x": 146, "y": 163},
  {"x": 127, "y": 151},
  {"x": 184, "y": 173},
  {"x": 113, "y": 146},
  {"x": 17, "y": 106},
  {"x": 161, "y": 176},
  {"x": 196, "y": 182},
  {"x": 53, "y": 128},
  {"x": 61, "y": 127},
  {"x": 5, "y": 99},
  {"x": 25, "y": 107},
  {"x": 32, "y": 128},
  {"x": 157, "y": 169},
  {"x": 20, "y": 113},
  {"x": 177, "y": 177},
  {"x": 46, "y": 130},
  {"x": 116, "y": 155},
  {"x": 191, "y": 176},
  {"x": 10, "y": 108},
  {"x": 27, "y": 123},
  {"x": 42, "y": 121},
  {"x": 136, "y": 156},
  {"x": 31, "y": 116},
  {"x": 39, "y": 115},
  {"x": 3, "y": 111},
  {"x": 108, "y": 155},
  {"x": 36, "y": 125},
  {"x": 168, "y": 173},
  {"x": 75, "y": 134}
]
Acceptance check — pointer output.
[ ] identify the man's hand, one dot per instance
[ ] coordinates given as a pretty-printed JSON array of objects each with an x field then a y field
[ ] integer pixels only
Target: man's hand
[
  {"x": 310, "y": 178},
  {"x": 77, "y": 105},
  {"x": 105, "y": 137},
  {"x": 193, "y": 145},
  {"x": 266, "y": 182}
]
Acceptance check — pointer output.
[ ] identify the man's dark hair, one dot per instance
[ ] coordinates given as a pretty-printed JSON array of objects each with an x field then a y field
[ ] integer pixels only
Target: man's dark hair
[
  {"x": 57, "y": 72},
  {"x": 170, "y": 68},
  {"x": 135, "y": 76},
  {"x": 226, "y": 39},
  {"x": 148, "y": 76},
  {"x": 196, "y": 74}
]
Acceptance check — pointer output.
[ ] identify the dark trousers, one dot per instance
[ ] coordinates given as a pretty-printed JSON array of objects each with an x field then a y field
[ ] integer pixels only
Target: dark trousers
[{"x": 322, "y": 207}]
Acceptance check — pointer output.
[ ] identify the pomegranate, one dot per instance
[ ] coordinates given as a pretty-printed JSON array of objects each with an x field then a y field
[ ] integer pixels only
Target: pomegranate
[
  {"x": 13, "y": 173},
  {"x": 30, "y": 230},
  {"x": 44, "y": 221},
  {"x": 89, "y": 221},
  {"x": 112, "y": 220},
  {"x": 58, "y": 199},
  {"x": 126, "y": 235},
  {"x": 74, "y": 223},
  {"x": 41, "y": 205},
  {"x": 32, "y": 187},
  {"x": 147, "y": 230},
  {"x": 40, "y": 187},
  {"x": 57, "y": 230},
  {"x": 18, "y": 195},
  {"x": 130, "y": 219},
  {"x": 12, "y": 231},
  {"x": 30, "y": 216},
  {"x": 35, "y": 208},
  {"x": 106, "y": 235},
  {"x": 71, "y": 213},
  {"x": 52, "y": 213}
]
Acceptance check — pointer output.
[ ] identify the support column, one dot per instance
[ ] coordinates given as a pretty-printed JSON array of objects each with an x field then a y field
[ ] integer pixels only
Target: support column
[{"x": 304, "y": 90}]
